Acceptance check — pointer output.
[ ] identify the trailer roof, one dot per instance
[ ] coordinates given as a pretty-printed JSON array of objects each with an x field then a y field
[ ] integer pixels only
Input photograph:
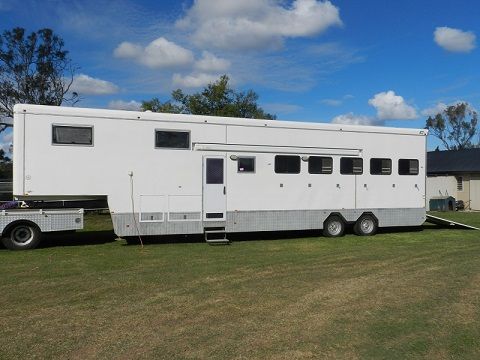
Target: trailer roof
[{"x": 150, "y": 116}]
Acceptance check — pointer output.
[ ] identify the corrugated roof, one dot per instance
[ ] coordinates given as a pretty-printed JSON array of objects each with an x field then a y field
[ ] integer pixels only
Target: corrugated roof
[{"x": 453, "y": 161}]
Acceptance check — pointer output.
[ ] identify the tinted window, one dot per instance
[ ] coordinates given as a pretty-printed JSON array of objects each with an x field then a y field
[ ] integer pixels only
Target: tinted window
[
  {"x": 408, "y": 167},
  {"x": 351, "y": 166},
  {"x": 246, "y": 164},
  {"x": 380, "y": 166},
  {"x": 75, "y": 135},
  {"x": 214, "y": 171},
  {"x": 287, "y": 164},
  {"x": 320, "y": 165},
  {"x": 172, "y": 139}
]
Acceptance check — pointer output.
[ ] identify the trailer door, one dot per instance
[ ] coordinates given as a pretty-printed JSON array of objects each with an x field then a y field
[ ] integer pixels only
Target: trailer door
[{"x": 214, "y": 188}]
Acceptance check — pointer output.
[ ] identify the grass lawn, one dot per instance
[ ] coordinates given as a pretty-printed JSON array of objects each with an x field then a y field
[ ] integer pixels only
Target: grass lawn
[{"x": 397, "y": 295}]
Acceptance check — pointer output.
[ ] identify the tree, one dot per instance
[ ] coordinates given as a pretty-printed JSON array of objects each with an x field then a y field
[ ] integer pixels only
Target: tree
[
  {"x": 34, "y": 69},
  {"x": 455, "y": 126},
  {"x": 217, "y": 99}
]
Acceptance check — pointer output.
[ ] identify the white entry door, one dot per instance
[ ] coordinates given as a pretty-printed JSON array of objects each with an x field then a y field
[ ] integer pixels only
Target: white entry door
[{"x": 214, "y": 188}]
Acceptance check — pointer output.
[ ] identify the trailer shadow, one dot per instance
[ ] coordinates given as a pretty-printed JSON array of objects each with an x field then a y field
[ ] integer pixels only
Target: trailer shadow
[{"x": 81, "y": 238}]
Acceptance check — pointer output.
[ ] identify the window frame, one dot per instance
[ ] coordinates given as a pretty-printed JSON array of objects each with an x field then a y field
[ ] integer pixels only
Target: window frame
[
  {"x": 353, "y": 158},
  {"x": 381, "y": 173},
  {"x": 254, "y": 164},
  {"x": 320, "y": 173},
  {"x": 77, "y": 126},
  {"x": 172, "y": 148},
  {"x": 459, "y": 183},
  {"x": 287, "y": 173},
  {"x": 409, "y": 174}
]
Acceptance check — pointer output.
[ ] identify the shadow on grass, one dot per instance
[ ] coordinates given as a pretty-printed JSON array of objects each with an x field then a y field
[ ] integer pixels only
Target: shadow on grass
[
  {"x": 252, "y": 236},
  {"x": 80, "y": 238},
  {"x": 108, "y": 236}
]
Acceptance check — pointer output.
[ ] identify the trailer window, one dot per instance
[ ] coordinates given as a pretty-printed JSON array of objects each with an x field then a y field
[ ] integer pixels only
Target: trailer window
[
  {"x": 172, "y": 139},
  {"x": 287, "y": 164},
  {"x": 320, "y": 165},
  {"x": 380, "y": 166},
  {"x": 72, "y": 135},
  {"x": 351, "y": 166},
  {"x": 246, "y": 164},
  {"x": 408, "y": 167}
]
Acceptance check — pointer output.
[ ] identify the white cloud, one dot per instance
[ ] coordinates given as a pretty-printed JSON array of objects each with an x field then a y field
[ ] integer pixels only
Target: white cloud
[
  {"x": 454, "y": 40},
  {"x": 434, "y": 110},
  {"x": 6, "y": 142},
  {"x": 392, "y": 107},
  {"x": 86, "y": 85},
  {"x": 125, "y": 105},
  {"x": 160, "y": 53},
  {"x": 352, "y": 119},
  {"x": 193, "y": 80},
  {"x": 210, "y": 63},
  {"x": 256, "y": 24}
]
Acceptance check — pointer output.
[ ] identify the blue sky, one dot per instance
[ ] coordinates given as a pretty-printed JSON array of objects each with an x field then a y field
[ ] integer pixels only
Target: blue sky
[{"x": 365, "y": 62}]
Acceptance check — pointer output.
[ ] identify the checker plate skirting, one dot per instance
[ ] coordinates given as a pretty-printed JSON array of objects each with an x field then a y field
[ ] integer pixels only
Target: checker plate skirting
[
  {"x": 273, "y": 220},
  {"x": 46, "y": 220}
]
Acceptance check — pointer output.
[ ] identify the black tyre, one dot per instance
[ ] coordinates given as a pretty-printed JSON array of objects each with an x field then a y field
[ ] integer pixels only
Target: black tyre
[
  {"x": 22, "y": 236},
  {"x": 366, "y": 225},
  {"x": 334, "y": 226}
]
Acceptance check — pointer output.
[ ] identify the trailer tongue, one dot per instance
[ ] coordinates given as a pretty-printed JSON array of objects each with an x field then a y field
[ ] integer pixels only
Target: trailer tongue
[{"x": 440, "y": 221}]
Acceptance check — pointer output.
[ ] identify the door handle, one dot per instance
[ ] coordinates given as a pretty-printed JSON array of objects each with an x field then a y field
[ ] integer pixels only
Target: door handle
[{"x": 224, "y": 190}]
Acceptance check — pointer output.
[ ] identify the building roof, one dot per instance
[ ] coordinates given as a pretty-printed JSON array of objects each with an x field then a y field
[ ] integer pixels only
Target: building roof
[{"x": 453, "y": 161}]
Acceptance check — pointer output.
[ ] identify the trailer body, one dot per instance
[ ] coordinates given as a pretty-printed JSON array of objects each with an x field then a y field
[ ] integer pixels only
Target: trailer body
[{"x": 185, "y": 174}]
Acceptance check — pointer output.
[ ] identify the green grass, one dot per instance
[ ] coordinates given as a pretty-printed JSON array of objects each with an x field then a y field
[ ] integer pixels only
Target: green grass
[{"x": 397, "y": 295}]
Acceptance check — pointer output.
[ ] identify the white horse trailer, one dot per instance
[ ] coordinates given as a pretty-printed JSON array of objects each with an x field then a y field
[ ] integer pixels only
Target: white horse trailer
[{"x": 188, "y": 174}]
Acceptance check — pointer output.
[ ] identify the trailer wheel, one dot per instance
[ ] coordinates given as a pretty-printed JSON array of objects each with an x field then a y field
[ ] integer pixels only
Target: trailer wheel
[
  {"x": 366, "y": 225},
  {"x": 333, "y": 226},
  {"x": 22, "y": 236}
]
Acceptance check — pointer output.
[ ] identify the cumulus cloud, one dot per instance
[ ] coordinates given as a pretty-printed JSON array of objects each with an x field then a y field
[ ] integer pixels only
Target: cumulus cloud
[
  {"x": 256, "y": 24},
  {"x": 392, "y": 107},
  {"x": 352, "y": 119},
  {"x": 87, "y": 85},
  {"x": 454, "y": 40},
  {"x": 210, "y": 63},
  {"x": 160, "y": 53},
  {"x": 125, "y": 105},
  {"x": 193, "y": 80}
]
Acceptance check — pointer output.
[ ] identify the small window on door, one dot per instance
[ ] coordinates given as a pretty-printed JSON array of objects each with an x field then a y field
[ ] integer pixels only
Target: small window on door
[
  {"x": 214, "y": 171},
  {"x": 246, "y": 165}
]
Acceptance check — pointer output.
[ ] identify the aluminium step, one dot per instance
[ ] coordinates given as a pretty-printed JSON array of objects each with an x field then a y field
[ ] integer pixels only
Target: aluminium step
[{"x": 218, "y": 236}]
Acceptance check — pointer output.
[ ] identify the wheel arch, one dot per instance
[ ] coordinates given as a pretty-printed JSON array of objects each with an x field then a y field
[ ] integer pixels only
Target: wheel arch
[
  {"x": 334, "y": 213},
  {"x": 371, "y": 214}
]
